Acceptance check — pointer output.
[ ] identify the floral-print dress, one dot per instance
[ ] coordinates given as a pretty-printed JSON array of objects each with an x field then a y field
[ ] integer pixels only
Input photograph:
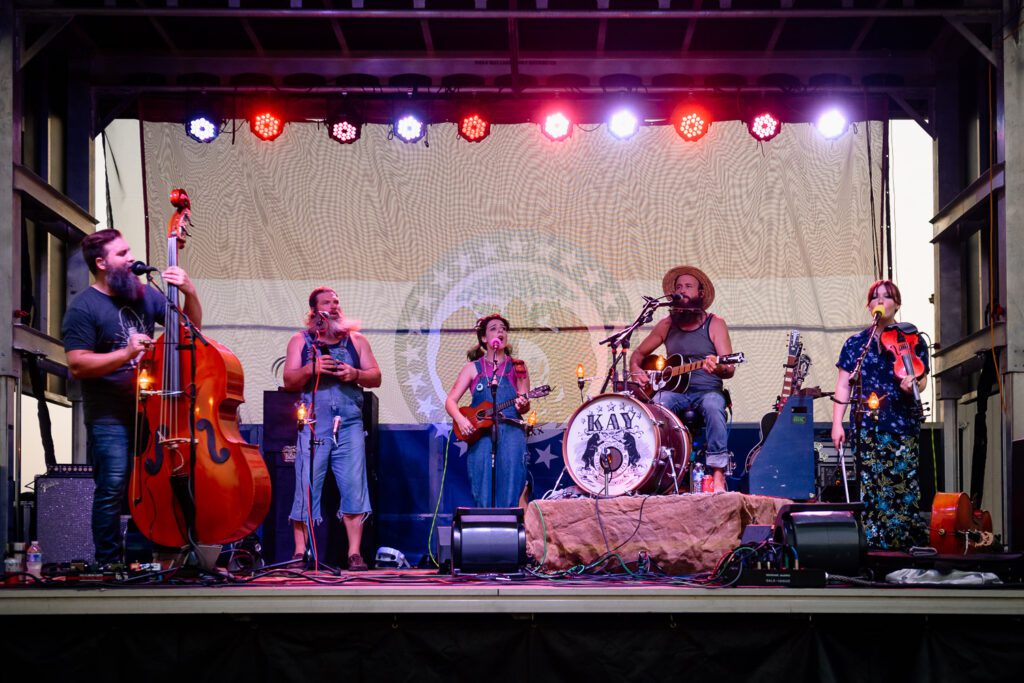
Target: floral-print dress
[{"x": 886, "y": 448}]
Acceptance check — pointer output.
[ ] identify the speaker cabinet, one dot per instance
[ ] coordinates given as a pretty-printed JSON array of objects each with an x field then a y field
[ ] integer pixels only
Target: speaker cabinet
[
  {"x": 64, "y": 517},
  {"x": 488, "y": 540},
  {"x": 826, "y": 536}
]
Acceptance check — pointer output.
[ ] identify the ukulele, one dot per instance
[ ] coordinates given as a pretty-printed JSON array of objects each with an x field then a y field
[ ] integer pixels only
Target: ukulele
[
  {"x": 481, "y": 416},
  {"x": 674, "y": 374}
]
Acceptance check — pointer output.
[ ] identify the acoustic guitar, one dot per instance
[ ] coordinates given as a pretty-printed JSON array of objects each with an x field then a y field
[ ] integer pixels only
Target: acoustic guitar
[
  {"x": 674, "y": 374},
  {"x": 481, "y": 416}
]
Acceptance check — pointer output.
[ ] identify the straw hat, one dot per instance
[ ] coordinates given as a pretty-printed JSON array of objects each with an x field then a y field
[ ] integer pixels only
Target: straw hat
[{"x": 668, "y": 283}]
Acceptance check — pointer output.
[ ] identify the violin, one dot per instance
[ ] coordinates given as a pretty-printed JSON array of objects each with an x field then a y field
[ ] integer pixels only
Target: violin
[
  {"x": 906, "y": 364},
  {"x": 194, "y": 479}
]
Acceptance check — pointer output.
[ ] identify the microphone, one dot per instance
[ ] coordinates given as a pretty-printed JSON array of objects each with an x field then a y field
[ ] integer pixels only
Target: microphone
[
  {"x": 877, "y": 312},
  {"x": 140, "y": 268},
  {"x": 321, "y": 318},
  {"x": 673, "y": 301},
  {"x": 495, "y": 343}
]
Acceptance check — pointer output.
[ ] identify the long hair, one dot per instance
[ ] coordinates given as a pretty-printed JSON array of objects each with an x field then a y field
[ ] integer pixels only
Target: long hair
[{"x": 480, "y": 349}]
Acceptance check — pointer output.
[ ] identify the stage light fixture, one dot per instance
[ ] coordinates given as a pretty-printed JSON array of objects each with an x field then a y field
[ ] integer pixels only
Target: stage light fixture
[
  {"x": 623, "y": 124},
  {"x": 557, "y": 126},
  {"x": 690, "y": 122},
  {"x": 409, "y": 128},
  {"x": 344, "y": 129},
  {"x": 202, "y": 127},
  {"x": 266, "y": 124},
  {"x": 473, "y": 127},
  {"x": 832, "y": 124},
  {"x": 764, "y": 126}
]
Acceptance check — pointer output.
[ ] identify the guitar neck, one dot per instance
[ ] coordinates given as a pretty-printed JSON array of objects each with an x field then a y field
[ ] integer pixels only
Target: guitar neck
[
  {"x": 697, "y": 364},
  {"x": 511, "y": 401},
  {"x": 787, "y": 384},
  {"x": 687, "y": 367}
]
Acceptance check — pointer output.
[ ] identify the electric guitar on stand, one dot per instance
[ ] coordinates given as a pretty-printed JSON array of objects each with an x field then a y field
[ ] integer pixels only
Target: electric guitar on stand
[{"x": 797, "y": 365}]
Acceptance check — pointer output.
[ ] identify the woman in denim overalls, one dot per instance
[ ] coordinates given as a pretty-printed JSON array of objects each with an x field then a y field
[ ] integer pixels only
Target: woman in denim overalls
[
  {"x": 513, "y": 379},
  {"x": 343, "y": 366}
]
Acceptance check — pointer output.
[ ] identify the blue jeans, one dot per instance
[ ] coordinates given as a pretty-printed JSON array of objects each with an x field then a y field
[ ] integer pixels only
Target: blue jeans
[
  {"x": 711, "y": 404},
  {"x": 107, "y": 446}
]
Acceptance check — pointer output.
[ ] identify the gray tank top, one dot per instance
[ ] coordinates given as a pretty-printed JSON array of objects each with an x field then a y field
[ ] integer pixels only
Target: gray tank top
[{"x": 692, "y": 346}]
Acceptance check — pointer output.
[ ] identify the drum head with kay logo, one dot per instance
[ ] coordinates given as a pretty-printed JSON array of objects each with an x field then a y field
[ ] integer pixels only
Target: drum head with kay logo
[{"x": 611, "y": 439}]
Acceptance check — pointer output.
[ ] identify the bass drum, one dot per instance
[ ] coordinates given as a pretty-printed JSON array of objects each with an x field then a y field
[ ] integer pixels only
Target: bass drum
[{"x": 614, "y": 444}]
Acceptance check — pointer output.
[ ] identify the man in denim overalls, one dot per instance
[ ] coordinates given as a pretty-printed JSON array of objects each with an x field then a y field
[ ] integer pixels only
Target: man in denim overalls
[{"x": 331, "y": 359}]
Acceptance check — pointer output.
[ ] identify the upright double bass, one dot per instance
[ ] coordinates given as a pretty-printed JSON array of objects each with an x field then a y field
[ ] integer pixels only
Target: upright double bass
[{"x": 194, "y": 479}]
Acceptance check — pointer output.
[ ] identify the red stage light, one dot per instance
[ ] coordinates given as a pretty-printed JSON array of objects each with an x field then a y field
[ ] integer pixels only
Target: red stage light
[
  {"x": 474, "y": 128},
  {"x": 557, "y": 126},
  {"x": 764, "y": 126},
  {"x": 266, "y": 125},
  {"x": 691, "y": 123}
]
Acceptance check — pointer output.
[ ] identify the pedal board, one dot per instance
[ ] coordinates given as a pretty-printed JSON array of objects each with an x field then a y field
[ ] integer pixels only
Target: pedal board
[{"x": 786, "y": 578}]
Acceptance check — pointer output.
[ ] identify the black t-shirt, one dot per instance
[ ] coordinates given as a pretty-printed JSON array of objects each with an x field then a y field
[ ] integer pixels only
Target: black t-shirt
[{"x": 100, "y": 323}]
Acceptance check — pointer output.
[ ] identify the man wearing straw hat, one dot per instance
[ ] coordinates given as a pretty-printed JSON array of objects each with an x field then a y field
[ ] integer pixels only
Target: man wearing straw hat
[{"x": 692, "y": 332}]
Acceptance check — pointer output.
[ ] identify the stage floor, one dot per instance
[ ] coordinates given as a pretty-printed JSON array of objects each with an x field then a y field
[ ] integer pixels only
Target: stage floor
[{"x": 425, "y": 592}]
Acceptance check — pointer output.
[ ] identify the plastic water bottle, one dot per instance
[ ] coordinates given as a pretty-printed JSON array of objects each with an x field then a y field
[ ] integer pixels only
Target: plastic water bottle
[
  {"x": 11, "y": 568},
  {"x": 34, "y": 560},
  {"x": 18, "y": 555},
  {"x": 696, "y": 477}
]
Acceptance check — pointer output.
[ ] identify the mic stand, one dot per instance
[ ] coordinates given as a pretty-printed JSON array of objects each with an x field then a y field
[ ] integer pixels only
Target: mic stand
[
  {"x": 856, "y": 410},
  {"x": 620, "y": 340},
  {"x": 493, "y": 384},
  {"x": 311, "y": 558}
]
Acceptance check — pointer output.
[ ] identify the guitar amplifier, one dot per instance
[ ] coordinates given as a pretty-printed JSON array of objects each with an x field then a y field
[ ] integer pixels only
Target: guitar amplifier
[{"x": 64, "y": 517}]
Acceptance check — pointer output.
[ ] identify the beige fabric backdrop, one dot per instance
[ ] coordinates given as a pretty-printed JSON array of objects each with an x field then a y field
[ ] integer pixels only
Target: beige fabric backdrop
[{"x": 419, "y": 240}]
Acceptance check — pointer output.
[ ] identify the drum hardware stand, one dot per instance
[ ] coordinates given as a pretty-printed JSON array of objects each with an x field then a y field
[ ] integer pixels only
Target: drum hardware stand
[
  {"x": 555, "y": 487},
  {"x": 667, "y": 452},
  {"x": 606, "y": 465}
]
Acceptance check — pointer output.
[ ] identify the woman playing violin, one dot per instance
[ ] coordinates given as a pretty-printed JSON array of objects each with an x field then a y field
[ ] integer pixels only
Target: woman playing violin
[
  {"x": 886, "y": 440},
  {"x": 490, "y": 351}
]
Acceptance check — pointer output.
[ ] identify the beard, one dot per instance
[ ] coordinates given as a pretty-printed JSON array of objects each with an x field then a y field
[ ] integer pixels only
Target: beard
[
  {"x": 691, "y": 311},
  {"x": 333, "y": 327},
  {"x": 124, "y": 284}
]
